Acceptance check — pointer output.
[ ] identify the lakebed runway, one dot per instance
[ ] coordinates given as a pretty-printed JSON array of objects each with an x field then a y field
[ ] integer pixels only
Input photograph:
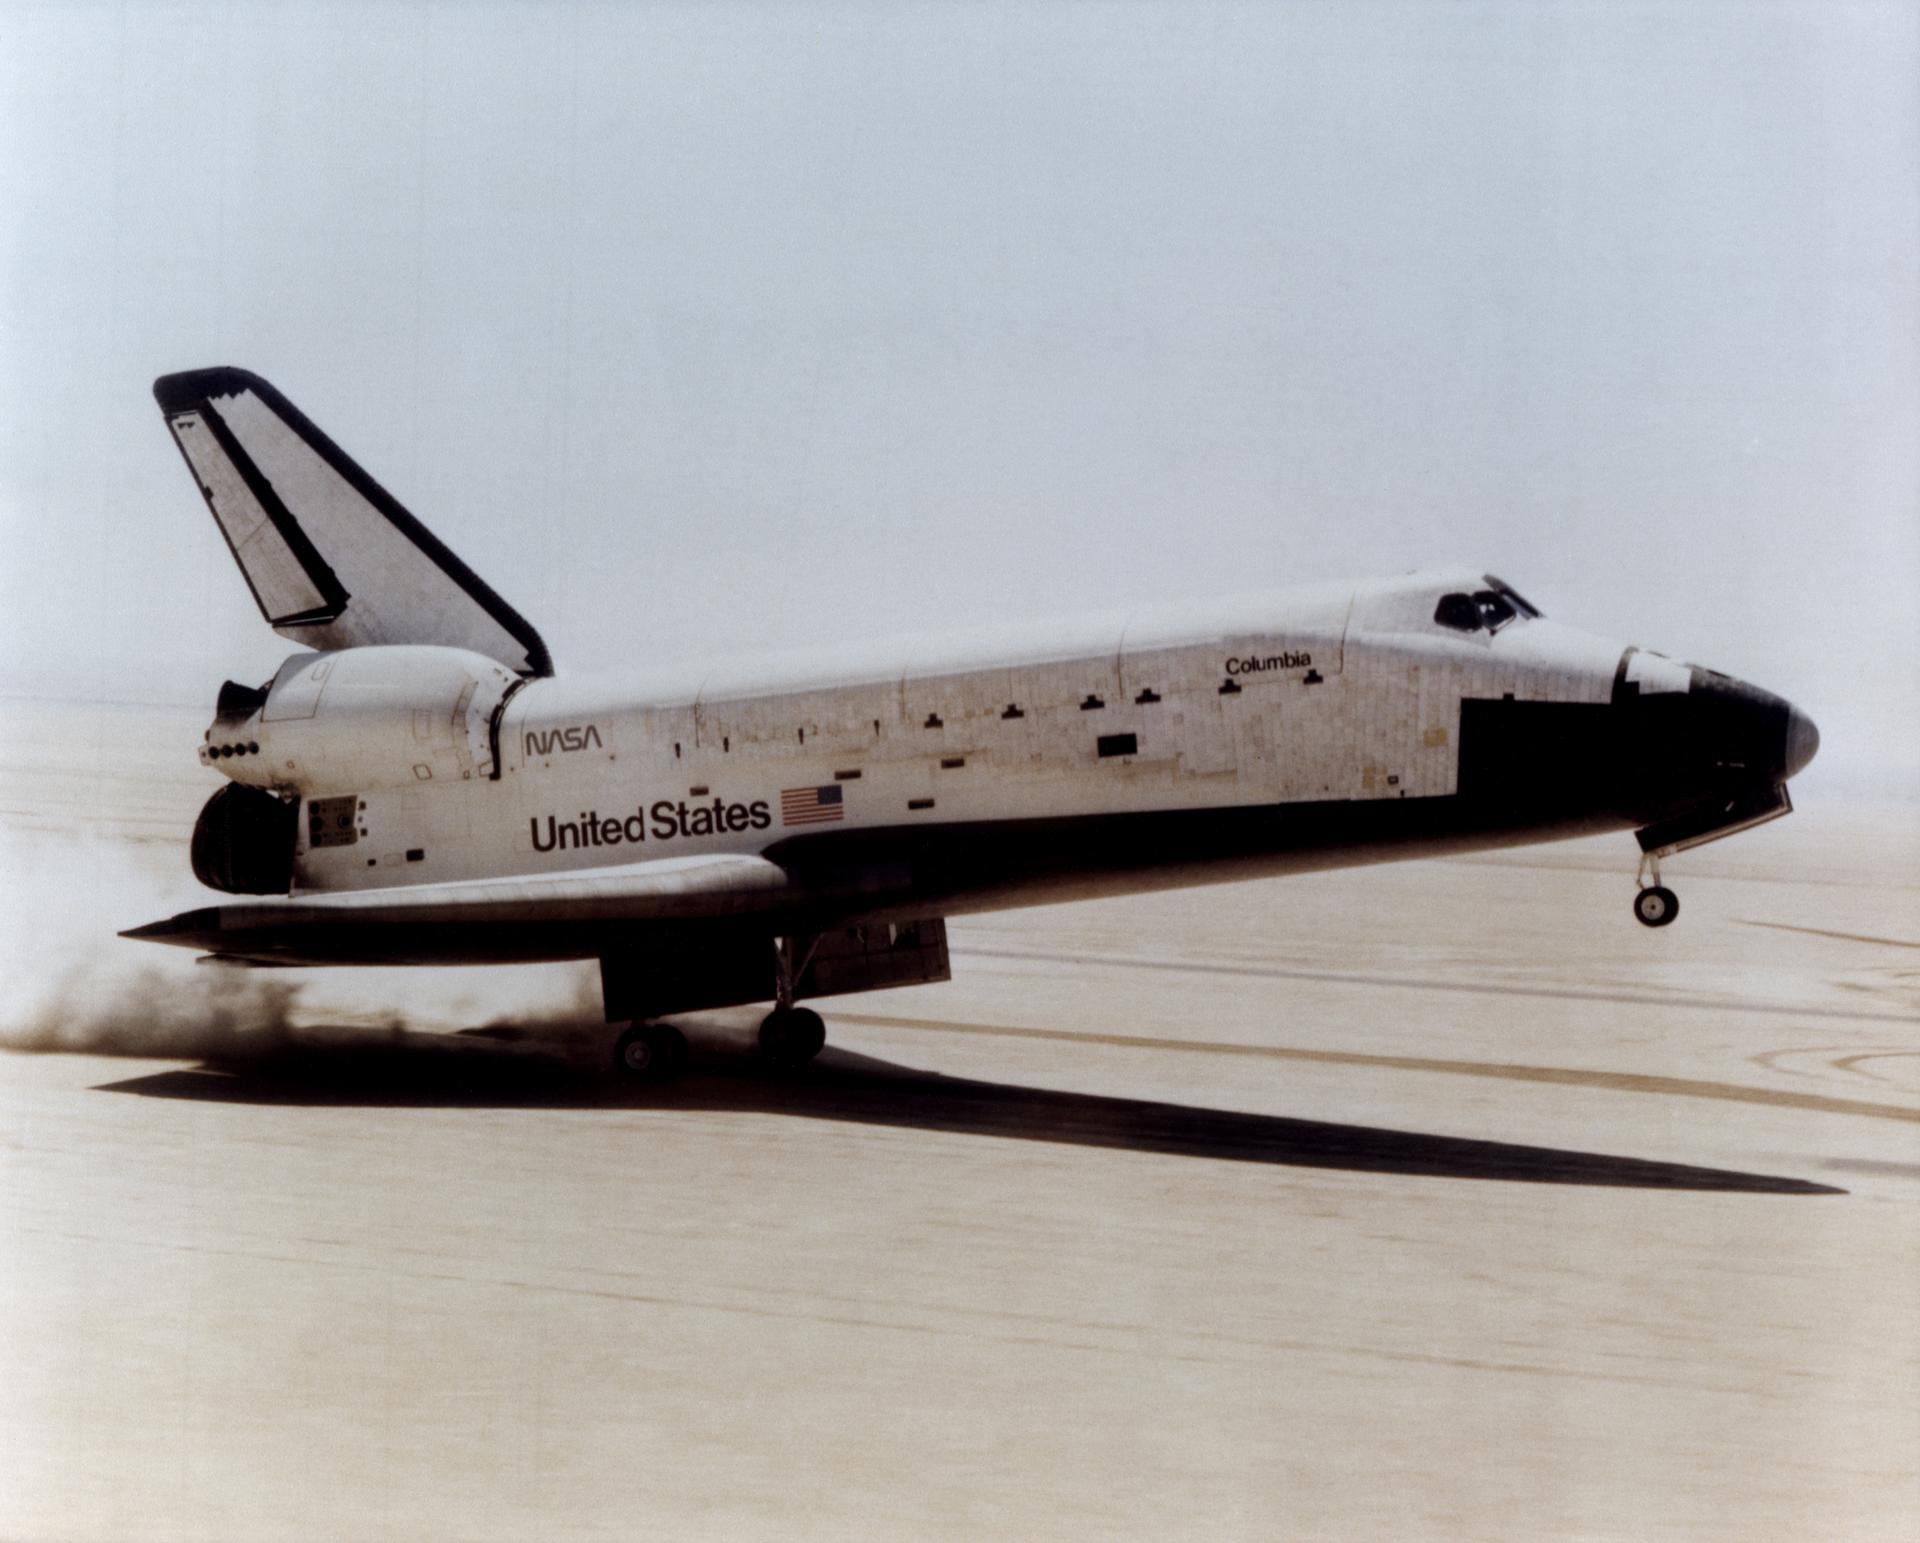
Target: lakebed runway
[{"x": 1438, "y": 1200}]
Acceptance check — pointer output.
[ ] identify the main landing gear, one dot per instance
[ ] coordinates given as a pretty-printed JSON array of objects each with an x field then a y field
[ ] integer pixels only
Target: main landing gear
[
  {"x": 651, "y": 1052},
  {"x": 789, "y": 1036},
  {"x": 1655, "y": 905},
  {"x": 792, "y": 1036},
  {"x": 657, "y": 1052}
]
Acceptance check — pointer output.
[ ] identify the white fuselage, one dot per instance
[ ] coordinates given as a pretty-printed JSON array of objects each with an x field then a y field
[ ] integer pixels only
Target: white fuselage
[{"x": 1341, "y": 694}]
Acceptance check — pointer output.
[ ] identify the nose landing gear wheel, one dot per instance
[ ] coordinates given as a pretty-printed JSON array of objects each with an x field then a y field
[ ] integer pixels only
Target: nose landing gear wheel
[
  {"x": 650, "y": 1052},
  {"x": 1656, "y": 906},
  {"x": 792, "y": 1036}
]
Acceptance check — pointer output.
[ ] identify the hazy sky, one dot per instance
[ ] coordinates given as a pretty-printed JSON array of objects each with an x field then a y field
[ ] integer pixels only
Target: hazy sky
[{"x": 717, "y": 327}]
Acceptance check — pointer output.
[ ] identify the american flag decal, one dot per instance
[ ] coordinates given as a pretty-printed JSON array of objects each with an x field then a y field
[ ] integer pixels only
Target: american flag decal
[{"x": 812, "y": 806}]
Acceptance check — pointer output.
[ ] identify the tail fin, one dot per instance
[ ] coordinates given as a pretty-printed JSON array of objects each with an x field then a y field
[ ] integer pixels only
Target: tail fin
[{"x": 331, "y": 557}]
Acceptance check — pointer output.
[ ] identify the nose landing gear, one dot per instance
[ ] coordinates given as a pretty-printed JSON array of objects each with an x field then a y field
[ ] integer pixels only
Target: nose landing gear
[{"x": 1655, "y": 905}]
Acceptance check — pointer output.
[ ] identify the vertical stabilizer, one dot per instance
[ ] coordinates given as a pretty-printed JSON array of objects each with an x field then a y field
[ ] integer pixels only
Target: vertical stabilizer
[{"x": 332, "y": 558}]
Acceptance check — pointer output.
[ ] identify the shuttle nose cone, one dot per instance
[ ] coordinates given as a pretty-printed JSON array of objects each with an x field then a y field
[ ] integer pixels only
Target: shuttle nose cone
[{"x": 1803, "y": 741}]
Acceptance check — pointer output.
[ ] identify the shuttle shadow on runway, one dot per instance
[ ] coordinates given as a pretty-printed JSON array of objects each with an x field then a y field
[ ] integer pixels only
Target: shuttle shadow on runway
[{"x": 362, "y": 1068}]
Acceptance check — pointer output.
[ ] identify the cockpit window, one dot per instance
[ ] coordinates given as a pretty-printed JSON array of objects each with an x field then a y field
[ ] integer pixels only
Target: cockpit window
[
  {"x": 1503, "y": 588},
  {"x": 1494, "y": 610},
  {"x": 1458, "y": 612}
]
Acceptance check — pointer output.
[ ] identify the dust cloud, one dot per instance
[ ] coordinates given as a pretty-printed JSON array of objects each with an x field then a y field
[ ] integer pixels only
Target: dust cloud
[
  {"x": 158, "y": 1013},
  {"x": 223, "y": 1014},
  {"x": 69, "y": 985}
]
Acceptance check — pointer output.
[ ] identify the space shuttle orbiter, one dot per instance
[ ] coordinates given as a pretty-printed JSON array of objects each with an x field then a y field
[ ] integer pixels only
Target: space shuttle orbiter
[{"x": 416, "y": 785}]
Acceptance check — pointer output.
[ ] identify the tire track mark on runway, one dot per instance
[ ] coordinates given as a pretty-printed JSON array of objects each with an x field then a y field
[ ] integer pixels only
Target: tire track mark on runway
[
  {"x": 1157, "y": 1351},
  {"x": 1417, "y": 983},
  {"x": 1822, "y": 932},
  {"x": 1847, "y": 1060},
  {"x": 1564, "y": 1076}
]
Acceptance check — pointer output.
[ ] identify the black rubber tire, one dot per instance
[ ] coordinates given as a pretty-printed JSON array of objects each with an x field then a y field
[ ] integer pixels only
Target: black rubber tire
[
  {"x": 650, "y": 1052},
  {"x": 677, "y": 1045},
  {"x": 792, "y": 1036},
  {"x": 1656, "y": 906}
]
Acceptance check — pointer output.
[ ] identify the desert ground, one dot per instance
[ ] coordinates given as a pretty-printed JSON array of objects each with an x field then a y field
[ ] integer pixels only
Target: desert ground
[{"x": 1437, "y": 1200}]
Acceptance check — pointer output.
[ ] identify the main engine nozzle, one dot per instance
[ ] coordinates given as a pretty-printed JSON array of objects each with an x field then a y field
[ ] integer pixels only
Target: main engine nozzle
[{"x": 243, "y": 841}]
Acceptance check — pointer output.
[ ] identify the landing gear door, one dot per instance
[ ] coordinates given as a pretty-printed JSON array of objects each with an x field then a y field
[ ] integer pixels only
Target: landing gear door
[{"x": 874, "y": 956}]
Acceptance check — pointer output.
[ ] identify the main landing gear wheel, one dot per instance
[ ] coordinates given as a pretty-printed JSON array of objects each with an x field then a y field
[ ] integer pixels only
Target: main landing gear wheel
[
  {"x": 1656, "y": 906},
  {"x": 651, "y": 1052},
  {"x": 792, "y": 1036}
]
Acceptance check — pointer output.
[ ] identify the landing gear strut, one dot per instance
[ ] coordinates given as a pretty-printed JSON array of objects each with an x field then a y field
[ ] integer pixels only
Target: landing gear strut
[
  {"x": 1655, "y": 905},
  {"x": 790, "y": 1036},
  {"x": 651, "y": 1052}
]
